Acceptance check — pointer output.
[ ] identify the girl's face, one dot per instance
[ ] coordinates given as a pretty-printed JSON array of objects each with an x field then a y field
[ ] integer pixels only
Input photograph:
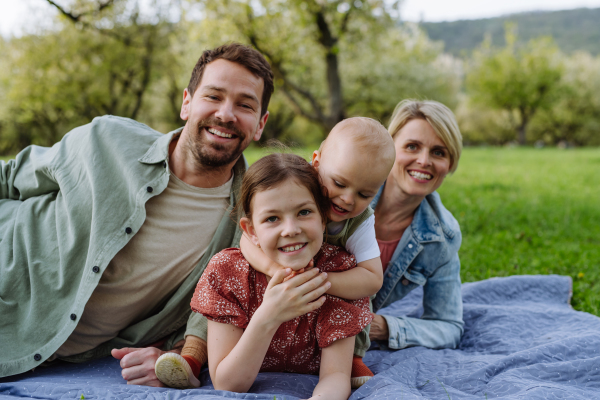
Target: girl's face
[
  {"x": 286, "y": 224},
  {"x": 422, "y": 159}
]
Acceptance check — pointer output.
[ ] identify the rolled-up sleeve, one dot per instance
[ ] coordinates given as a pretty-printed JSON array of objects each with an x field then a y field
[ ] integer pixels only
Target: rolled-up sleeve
[{"x": 441, "y": 325}]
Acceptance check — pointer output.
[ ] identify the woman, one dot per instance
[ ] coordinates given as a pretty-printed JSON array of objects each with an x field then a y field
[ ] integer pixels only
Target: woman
[{"x": 419, "y": 239}]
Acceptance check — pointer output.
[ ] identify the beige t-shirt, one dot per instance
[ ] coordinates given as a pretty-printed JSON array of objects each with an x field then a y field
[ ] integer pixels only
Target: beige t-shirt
[{"x": 179, "y": 225}]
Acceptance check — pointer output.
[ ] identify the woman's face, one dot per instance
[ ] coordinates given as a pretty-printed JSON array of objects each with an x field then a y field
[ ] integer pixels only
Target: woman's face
[
  {"x": 422, "y": 159},
  {"x": 286, "y": 224}
]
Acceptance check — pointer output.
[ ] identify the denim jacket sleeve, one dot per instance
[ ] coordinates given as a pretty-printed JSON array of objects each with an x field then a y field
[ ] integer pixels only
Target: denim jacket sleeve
[
  {"x": 426, "y": 256},
  {"x": 441, "y": 325}
]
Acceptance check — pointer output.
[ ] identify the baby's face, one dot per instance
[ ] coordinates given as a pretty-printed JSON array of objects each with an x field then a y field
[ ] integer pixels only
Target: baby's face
[{"x": 352, "y": 177}]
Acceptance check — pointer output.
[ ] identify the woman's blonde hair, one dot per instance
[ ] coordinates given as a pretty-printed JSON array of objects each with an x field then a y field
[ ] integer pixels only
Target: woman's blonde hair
[{"x": 440, "y": 118}]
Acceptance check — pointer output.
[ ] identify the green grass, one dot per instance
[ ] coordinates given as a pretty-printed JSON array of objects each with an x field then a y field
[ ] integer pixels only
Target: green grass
[
  {"x": 6, "y": 158},
  {"x": 526, "y": 211}
]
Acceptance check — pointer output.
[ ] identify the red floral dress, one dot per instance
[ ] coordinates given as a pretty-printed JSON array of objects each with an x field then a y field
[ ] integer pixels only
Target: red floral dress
[{"x": 230, "y": 292}]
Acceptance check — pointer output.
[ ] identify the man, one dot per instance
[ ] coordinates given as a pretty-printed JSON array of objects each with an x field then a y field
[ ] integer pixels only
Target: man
[{"x": 104, "y": 236}]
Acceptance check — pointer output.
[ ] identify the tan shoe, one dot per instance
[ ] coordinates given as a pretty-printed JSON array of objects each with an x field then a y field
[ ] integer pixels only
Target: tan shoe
[{"x": 174, "y": 371}]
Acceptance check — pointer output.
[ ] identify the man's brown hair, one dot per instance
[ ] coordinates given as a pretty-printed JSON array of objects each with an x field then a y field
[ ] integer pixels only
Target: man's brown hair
[
  {"x": 240, "y": 54},
  {"x": 274, "y": 169}
]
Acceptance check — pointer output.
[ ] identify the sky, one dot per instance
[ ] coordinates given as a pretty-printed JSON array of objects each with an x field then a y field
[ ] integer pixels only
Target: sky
[{"x": 16, "y": 14}]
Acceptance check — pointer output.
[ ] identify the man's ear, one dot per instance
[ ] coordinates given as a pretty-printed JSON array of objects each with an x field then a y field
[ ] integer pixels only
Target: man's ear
[
  {"x": 261, "y": 126},
  {"x": 185, "y": 105},
  {"x": 248, "y": 228},
  {"x": 316, "y": 159}
]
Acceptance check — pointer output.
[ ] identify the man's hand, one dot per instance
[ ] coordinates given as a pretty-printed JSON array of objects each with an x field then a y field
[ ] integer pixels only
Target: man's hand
[
  {"x": 379, "y": 328},
  {"x": 138, "y": 364}
]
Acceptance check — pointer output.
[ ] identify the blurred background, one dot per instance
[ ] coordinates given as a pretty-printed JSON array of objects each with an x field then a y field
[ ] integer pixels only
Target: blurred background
[
  {"x": 530, "y": 77},
  {"x": 522, "y": 76}
]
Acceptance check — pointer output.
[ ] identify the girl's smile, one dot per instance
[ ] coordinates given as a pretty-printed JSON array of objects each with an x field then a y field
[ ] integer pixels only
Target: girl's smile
[{"x": 286, "y": 224}]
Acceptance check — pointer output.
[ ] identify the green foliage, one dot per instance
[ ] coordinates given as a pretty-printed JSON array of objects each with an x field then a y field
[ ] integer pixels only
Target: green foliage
[
  {"x": 572, "y": 30},
  {"x": 518, "y": 80},
  {"x": 574, "y": 116},
  {"x": 378, "y": 63},
  {"x": 55, "y": 81}
]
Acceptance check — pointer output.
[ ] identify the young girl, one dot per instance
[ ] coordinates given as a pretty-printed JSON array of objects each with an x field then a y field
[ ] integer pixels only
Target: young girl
[{"x": 256, "y": 324}]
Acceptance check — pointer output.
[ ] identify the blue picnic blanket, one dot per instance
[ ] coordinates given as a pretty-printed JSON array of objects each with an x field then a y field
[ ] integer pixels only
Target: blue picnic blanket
[{"x": 522, "y": 340}]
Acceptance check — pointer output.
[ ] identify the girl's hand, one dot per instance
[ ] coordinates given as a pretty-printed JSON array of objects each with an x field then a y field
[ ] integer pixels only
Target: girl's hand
[{"x": 301, "y": 294}]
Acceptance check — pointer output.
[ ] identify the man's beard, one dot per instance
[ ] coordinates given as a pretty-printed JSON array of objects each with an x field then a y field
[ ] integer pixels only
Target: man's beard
[{"x": 214, "y": 155}]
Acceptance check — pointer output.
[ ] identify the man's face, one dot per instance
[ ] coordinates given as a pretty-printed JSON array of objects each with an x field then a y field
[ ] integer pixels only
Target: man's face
[{"x": 224, "y": 115}]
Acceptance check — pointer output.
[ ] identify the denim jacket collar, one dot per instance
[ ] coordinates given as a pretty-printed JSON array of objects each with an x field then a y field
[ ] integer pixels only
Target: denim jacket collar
[{"x": 425, "y": 226}]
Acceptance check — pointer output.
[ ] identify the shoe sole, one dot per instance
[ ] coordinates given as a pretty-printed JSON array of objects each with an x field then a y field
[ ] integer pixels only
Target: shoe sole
[
  {"x": 358, "y": 381},
  {"x": 172, "y": 370}
]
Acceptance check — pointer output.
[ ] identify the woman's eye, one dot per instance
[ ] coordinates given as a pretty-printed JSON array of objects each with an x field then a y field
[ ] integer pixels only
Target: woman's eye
[
  {"x": 271, "y": 219},
  {"x": 338, "y": 184},
  {"x": 439, "y": 153},
  {"x": 411, "y": 147},
  {"x": 304, "y": 213}
]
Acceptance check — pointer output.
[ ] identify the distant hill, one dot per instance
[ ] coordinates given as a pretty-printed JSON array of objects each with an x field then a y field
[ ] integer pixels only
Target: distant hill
[{"x": 572, "y": 30}]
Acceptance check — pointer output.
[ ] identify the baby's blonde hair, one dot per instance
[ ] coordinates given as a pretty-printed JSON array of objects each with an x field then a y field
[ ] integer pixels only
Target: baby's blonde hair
[
  {"x": 369, "y": 134},
  {"x": 440, "y": 118}
]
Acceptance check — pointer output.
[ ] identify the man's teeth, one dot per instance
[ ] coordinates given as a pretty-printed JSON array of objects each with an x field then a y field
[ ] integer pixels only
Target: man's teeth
[
  {"x": 420, "y": 175},
  {"x": 219, "y": 133},
  {"x": 292, "y": 248}
]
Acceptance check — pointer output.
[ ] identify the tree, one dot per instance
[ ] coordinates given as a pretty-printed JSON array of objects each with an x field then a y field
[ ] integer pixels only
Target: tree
[
  {"x": 575, "y": 115},
  {"x": 520, "y": 80},
  {"x": 105, "y": 63},
  {"x": 335, "y": 58}
]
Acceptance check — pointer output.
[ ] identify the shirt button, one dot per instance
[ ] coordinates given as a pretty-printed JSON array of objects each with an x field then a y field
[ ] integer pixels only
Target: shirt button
[
  {"x": 149, "y": 189},
  {"x": 410, "y": 246},
  {"x": 128, "y": 230},
  {"x": 73, "y": 317},
  {"x": 389, "y": 274},
  {"x": 37, "y": 357},
  {"x": 96, "y": 269},
  {"x": 164, "y": 164},
  {"x": 405, "y": 281}
]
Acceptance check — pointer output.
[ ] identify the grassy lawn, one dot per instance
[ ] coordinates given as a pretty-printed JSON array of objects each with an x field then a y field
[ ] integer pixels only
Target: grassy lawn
[{"x": 526, "y": 211}]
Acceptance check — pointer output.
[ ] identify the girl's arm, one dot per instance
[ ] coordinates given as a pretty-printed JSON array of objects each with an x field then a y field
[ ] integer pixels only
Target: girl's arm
[
  {"x": 334, "y": 374},
  {"x": 236, "y": 355}
]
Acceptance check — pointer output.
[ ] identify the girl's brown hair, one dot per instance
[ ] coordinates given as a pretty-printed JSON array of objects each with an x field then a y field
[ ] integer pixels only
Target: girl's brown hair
[{"x": 274, "y": 169}]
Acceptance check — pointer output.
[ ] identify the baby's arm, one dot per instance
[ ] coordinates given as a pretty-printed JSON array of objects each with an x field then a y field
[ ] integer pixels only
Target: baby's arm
[
  {"x": 334, "y": 374},
  {"x": 362, "y": 281},
  {"x": 257, "y": 258},
  {"x": 367, "y": 277},
  {"x": 235, "y": 354}
]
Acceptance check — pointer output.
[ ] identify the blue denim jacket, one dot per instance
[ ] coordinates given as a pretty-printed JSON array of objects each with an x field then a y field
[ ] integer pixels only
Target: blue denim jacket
[{"x": 427, "y": 256}]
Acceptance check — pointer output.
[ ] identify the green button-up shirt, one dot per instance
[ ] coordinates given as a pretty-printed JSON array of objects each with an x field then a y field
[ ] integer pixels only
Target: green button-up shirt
[{"x": 65, "y": 212}]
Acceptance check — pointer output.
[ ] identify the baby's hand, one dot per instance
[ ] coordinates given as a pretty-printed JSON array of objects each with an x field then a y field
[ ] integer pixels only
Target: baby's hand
[
  {"x": 310, "y": 266},
  {"x": 297, "y": 296}
]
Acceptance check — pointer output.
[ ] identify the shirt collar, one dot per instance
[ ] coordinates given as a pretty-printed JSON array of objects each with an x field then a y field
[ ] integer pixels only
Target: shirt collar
[{"x": 159, "y": 151}]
